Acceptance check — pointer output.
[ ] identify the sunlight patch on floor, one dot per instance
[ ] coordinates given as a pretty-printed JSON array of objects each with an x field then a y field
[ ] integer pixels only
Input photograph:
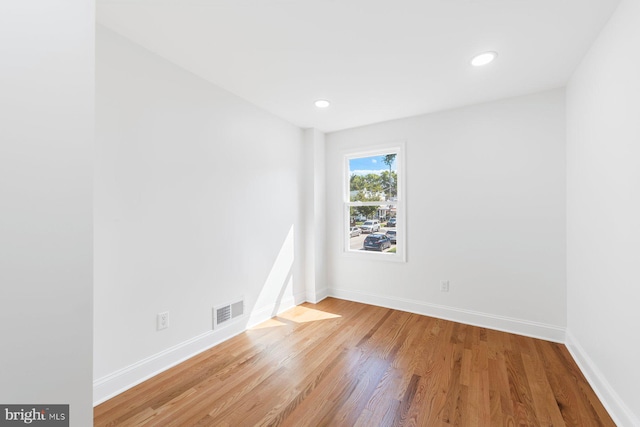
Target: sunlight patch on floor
[
  {"x": 302, "y": 314},
  {"x": 297, "y": 314},
  {"x": 271, "y": 323}
]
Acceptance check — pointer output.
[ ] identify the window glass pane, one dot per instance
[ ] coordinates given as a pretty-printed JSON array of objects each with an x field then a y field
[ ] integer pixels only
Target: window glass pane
[
  {"x": 373, "y": 178},
  {"x": 366, "y": 233}
]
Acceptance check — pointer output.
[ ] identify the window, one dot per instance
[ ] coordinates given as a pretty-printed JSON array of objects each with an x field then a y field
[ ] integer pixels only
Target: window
[{"x": 374, "y": 222}]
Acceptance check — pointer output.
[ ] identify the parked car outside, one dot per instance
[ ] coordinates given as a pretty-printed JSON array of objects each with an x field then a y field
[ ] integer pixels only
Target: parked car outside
[
  {"x": 361, "y": 218},
  {"x": 391, "y": 234},
  {"x": 354, "y": 231},
  {"x": 376, "y": 241},
  {"x": 370, "y": 226},
  {"x": 391, "y": 222}
]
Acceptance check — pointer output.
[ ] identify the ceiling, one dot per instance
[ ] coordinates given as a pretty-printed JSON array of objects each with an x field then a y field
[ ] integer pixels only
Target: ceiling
[{"x": 375, "y": 60}]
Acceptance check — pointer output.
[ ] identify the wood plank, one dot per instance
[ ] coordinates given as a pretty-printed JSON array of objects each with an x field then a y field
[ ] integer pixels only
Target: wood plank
[{"x": 340, "y": 363}]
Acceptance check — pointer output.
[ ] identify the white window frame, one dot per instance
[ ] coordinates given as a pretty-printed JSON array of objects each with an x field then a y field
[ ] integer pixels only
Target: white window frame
[{"x": 399, "y": 148}]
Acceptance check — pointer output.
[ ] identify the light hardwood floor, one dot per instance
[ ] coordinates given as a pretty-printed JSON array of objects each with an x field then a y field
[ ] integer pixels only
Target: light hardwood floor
[{"x": 340, "y": 363}]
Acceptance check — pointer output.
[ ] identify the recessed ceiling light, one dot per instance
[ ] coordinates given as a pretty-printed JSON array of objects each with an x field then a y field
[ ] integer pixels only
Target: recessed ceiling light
[
  {"x": 322, "y": 103},
  {"x": 483, "y": 59}
]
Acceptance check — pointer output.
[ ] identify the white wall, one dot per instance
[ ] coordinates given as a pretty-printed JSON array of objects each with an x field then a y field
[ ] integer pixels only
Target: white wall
[
  {"x": 46, "y": 138},
  {"x": 485, "y": 210},
  {"x": 315, "y": 215},
  {"x": 197, "y": 202},
  {"x": 603, "y": 211}
]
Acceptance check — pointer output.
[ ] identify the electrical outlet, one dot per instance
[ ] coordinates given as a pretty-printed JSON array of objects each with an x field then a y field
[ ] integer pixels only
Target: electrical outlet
[
  {"x": 163, "y": 320},
  {"x": 444, "y": 286}
]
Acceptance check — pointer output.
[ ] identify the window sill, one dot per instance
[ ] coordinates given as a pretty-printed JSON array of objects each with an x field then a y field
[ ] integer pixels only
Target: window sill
[{"x": 374, "y": 256}]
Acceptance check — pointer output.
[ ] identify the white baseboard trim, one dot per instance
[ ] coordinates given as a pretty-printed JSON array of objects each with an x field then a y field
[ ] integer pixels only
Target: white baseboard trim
[
  {"x": 299, "y": 297},
  {"x": 123, "y": 379},
  {"x": 502, "y": 323},
  {"x": 318, "y": 295},
  {"x": 621, "y": 414}
]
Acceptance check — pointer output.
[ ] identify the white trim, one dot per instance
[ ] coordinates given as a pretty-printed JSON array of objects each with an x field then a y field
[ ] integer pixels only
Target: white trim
[
  {"x": 373, "y": 256},
  {"x": 123, "y": 379},
  {"x": 476, "y": 318},
  {"x": 320, "y": 294},
  {"x": 299, "y": 298},
  {"x": 612, "y": 402},
  {"x": 399, "y": 147}
]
